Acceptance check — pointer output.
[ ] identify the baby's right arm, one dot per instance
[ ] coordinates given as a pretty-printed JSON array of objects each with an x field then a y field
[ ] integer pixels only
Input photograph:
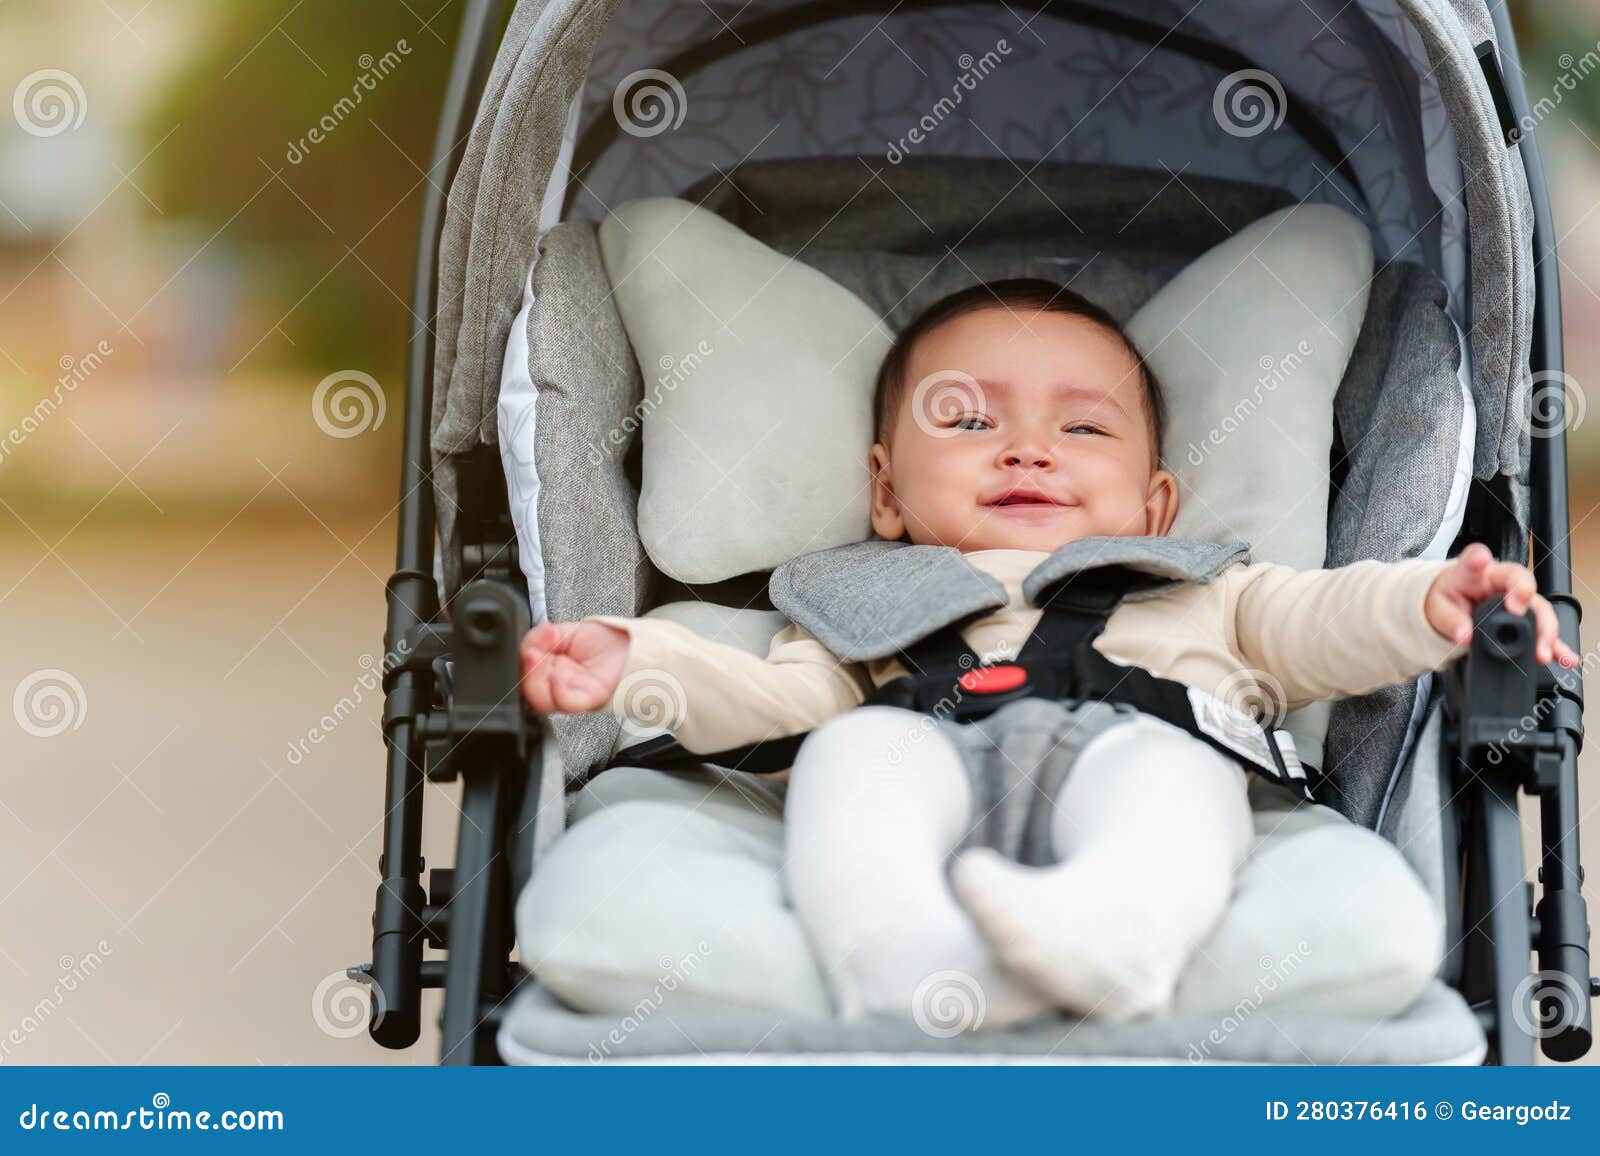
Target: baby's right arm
[{"x": 710, "y": 696}]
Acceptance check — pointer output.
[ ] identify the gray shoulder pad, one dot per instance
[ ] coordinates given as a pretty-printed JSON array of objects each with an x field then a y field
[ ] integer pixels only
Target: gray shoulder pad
[
  {"x": 1178, "y": 560},
  {"x": 873, "y": 599}
]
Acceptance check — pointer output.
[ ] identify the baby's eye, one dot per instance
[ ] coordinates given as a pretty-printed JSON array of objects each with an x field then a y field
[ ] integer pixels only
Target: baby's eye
[
  {"x": 973, "y": 421},
  {"x": 1083, "y": 427}
]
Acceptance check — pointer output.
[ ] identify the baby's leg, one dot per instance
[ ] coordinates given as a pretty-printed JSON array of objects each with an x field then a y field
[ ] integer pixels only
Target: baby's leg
[
  {"x": 877, "y": 801},
  {"x": 1149, "y": 825}
]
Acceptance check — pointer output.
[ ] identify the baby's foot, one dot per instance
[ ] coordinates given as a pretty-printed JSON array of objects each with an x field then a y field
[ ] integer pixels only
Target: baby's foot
[{"x": 1066, "y": 931}]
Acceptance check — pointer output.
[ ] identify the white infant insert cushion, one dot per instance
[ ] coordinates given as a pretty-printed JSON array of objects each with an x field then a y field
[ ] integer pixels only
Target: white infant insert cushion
[{"x": 758, "y": 392}]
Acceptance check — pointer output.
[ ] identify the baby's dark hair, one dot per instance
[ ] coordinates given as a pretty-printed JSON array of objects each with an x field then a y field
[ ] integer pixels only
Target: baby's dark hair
[{"x": 1025, "y": 294}]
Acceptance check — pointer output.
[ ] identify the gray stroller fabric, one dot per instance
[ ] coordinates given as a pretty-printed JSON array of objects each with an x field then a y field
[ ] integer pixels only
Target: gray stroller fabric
[
  {"x": 1501, "y": 214},
  {"x": 1419, "y": 818},
  {"x": 931, "y": 204},
  {"x": 931, "y": 226},
  {"x": 490, "y": 225},
  {"x": 1438, "y": 1028},
  {"x": 585, "y": 421},
  {"x": 1395, "y": 410}
]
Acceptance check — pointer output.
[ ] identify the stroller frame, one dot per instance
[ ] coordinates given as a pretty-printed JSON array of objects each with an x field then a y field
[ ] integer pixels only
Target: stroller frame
[{"x": 453, "y": 708}]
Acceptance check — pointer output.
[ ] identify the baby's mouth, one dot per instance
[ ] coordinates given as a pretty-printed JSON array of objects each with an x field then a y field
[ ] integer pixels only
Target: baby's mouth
[{"x": 1023, "y": 500}]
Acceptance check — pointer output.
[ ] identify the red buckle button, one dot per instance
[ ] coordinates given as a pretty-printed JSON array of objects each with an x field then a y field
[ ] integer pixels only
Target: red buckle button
[{"x": 992, "y": 679}]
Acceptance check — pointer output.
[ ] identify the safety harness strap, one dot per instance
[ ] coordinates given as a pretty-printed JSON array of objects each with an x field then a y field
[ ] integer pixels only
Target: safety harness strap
[{"x": 948, "y": 680}]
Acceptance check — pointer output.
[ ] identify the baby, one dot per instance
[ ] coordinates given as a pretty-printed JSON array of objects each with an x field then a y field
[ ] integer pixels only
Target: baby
[{"x": 1013, "y": 418}]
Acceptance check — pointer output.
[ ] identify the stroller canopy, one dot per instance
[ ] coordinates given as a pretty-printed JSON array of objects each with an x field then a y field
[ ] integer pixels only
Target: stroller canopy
[{"x": 1380, "y": 107}]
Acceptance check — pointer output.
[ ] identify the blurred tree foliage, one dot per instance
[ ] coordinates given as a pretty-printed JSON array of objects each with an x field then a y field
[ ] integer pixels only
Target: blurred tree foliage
[
  {"x": 1548, "y": 30},
  {"x": 330, "y": 253}
]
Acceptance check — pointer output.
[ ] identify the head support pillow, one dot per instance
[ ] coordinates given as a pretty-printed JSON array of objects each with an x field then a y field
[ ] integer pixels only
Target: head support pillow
[
  {"x": 1251, "y": 341},
  {"x": 757, "y": 392}
]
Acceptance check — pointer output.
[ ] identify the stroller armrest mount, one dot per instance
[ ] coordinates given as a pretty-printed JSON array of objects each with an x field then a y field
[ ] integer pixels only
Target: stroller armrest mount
[
  {"x": 1515, "y": 724},
  {"x": 453, "y": 708}
]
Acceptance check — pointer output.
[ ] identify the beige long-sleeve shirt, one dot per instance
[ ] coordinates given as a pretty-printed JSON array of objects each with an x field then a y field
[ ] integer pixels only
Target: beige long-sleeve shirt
[{"x": 1288, "y": 636}]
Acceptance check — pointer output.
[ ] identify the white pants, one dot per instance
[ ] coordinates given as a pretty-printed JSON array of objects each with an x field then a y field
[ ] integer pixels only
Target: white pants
[{"x": 1330, "y": 920}]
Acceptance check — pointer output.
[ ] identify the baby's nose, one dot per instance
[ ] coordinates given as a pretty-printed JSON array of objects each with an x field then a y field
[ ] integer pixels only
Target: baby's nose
[{"x": 1029, "y": 457}]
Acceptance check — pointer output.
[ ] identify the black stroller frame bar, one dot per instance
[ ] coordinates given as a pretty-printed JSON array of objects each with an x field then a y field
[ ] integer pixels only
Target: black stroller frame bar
[{"x": 453, "y": 710}]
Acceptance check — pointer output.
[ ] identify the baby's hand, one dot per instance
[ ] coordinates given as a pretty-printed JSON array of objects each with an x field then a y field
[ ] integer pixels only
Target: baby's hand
[
  {"x": 1476, "y": 576},
  {"x": 572, "y": 667}
]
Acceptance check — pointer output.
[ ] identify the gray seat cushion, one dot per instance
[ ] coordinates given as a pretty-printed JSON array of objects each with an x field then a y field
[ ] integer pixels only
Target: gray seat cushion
[{"x": 1439, "y": 1029}]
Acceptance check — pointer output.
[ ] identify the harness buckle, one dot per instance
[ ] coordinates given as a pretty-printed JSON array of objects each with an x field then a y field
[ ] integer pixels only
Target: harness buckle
[
  {"x": 996, "y": 679},
  {"x": 967, "y": 693}
]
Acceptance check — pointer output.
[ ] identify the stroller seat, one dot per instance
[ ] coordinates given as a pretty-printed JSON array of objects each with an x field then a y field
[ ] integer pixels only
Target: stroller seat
[
  {"x": 698, "y": 941},
  {"x": 655, "y": 860},
  {"x": 1108, "y": 147}
]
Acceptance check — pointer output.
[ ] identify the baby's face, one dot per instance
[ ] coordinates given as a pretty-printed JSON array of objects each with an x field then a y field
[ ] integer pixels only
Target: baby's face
[{"x": 1019, "y": 431}]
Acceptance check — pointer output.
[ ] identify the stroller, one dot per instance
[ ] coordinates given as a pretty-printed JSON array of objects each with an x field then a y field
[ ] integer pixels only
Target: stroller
[{"x": 790, "y": 118}]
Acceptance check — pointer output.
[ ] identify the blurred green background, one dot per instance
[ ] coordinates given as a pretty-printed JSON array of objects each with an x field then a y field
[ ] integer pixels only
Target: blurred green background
[
  {"x": 189, "y": 223},
  {"x": 205, "y": 566}
]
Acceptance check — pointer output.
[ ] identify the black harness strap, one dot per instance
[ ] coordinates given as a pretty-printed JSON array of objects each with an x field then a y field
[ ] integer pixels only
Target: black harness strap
[
  {"x": 665, "y": 753},
  {"x": 1058, "y": 661}
]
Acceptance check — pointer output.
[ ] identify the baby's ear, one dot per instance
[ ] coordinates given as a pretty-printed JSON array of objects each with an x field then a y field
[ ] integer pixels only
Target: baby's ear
[
  {"x": 887, "y": 522},
  {"x": 1161, "y": 503}
]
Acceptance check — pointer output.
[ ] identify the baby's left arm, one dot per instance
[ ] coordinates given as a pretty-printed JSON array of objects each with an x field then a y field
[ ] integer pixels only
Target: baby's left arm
[{"x": 1329, "y": 634}]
